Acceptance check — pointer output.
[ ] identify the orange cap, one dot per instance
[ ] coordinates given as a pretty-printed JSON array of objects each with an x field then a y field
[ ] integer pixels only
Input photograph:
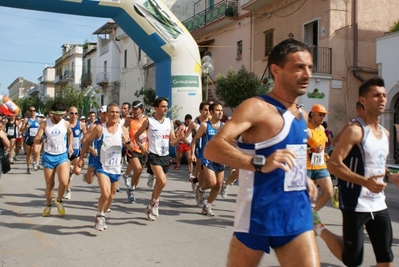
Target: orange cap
[{"x": 319, "y": 108}]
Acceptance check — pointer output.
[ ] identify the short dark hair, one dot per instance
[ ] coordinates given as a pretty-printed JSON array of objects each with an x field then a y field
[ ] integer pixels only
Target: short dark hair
[
  {"x": 366, "y": 86},
  {"x": 58, "y": 106},
  {"x": 137, "y": 104},
  {"x": 214, "y": 104},
  {"x": 158, "y": 101},
  {"x": 92, "y": 112},
  {"x": 205, "y": 103},
  {"x": 127, "y": 103},
  {"x": 324, "y": 124},
  {"x": 188, "y": 117},
  {"x": 279, "y": 53}
]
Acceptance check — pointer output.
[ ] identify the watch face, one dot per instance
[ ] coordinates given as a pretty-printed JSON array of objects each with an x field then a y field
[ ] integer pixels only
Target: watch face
[{"x": 259, "y": 160}]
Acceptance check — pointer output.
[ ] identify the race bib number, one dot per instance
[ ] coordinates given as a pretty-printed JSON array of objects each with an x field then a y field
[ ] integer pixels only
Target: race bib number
[
  {"x": 32, "y": 131},
  {"x": 54, "y": 146},
  {"x": 317, "y": 159},
  {"x": 76, "y": 143},
  {"x": 368, "y": 172},
  {"x": 10, "y": 131},
  {"x": 295, "y": 179},
  {"x": 113, "y": 156}
]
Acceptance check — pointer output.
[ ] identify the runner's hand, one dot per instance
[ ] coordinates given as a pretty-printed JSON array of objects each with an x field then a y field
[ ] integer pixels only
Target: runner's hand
[
  {"x": 312, "y": 190},
  {"x": 394, "y": 178},
  {"x": 375, "y": 186},
  {"x": 281, "y": 158}
]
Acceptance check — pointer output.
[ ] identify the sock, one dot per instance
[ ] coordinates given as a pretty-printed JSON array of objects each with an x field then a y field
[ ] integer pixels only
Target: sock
[
  {"x": 208, "y": 204},
  {"x": 100, "y": 214}
]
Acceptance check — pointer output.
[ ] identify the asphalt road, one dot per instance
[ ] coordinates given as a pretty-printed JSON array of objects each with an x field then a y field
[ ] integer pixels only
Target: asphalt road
[{"x": 180, "y": 237}]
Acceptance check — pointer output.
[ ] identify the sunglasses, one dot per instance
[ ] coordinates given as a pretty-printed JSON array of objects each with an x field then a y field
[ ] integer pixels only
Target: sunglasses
[
  {"x": 32, "y": 110},
  {"x": 73, "y": 113}
]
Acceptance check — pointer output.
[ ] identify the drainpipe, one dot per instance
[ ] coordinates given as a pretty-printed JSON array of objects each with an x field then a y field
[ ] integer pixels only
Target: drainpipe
[{"x": 356, "y": 43}]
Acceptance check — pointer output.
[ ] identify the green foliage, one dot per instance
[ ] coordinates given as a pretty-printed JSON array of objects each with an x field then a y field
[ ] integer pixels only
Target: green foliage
[
  {"x": 394, "y": 27},
  {"x": 235, "y": 87},
  {"x": 70, "y": 96},
  {"x": 148, "y": 95}
]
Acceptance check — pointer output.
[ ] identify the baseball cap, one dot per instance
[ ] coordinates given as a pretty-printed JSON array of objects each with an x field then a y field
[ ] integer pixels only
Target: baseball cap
[
  {"x": 103, "y": 109},
  {"x": 82, "y": 117},
  {"x": 319, "y": 108}
]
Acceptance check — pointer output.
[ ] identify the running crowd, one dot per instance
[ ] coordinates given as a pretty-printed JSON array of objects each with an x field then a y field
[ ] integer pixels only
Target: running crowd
[{"x": 279, "y": 161}]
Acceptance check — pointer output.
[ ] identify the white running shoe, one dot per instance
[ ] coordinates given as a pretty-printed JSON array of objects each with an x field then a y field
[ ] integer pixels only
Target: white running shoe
[
  {"x": 154, "y": 208},
  {"x": 67, "y": 194},
  {"x": 150, "y": 182},
  {"x": 223, "y": 190},
  {"x": 150, "y": 216},
  {"x": 100, "y": 223},
  {"x": 199, "y": 196},
  {"x": 207, "y": 210},
  {"x": 127, "y": 180}
]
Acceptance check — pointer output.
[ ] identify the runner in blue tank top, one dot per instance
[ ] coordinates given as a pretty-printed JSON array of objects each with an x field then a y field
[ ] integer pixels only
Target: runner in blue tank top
[
  {"x": 30, "y": 127},
  {"x": 213, "y": 172},
  {"x": 273, "y": 202}
]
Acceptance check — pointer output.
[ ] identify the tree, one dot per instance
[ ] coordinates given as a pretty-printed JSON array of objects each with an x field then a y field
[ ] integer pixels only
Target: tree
[
  {"x": 394, "y": 27},
  {"x": 148, "y": 96},
  {"x": 235, "y": 87}
]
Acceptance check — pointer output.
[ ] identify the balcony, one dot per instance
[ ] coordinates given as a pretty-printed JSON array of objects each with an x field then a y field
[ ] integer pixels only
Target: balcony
[
  {"x": 322, "y": 59},
  {"x": 63, "y": 79},
  {"x": 86, "y": 79},
  {"x": 102, "y": 78},
  {"x": 34, "y": 91},
  {"x": 215, "y": 17},
  {"x": 253, "y": 5}
]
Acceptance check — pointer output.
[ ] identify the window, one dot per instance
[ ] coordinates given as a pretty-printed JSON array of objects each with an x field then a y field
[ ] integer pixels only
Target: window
[
  {"x": 89, "y": 65},
  {"x": 268, "y": 42},
  {"x": 239, "y": 50},
  {"x": 125, "y": 59},
  {"x": 139, "y": 59}
]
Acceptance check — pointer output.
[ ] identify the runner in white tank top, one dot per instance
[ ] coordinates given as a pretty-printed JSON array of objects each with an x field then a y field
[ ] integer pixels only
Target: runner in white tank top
[
  {"x": 112, "y": 136},
  {"x": 160, "y": 133}
]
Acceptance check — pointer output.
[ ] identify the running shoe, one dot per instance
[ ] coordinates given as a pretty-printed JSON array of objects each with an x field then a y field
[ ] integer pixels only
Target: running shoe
[
  {"x": 35, "y": 168},
  {"x": 118, "y": 189},
  {"x": 27, "y": 170},
  {"x": 199, "y": 196},
  {"x": 67, "y": 194},
  {"x": 130, "y": 195},
  {"x": 207, "y": 210},
  {"x": 60, "y": 207},
  {"x": 150, "y": 216},
  {"x": 127, "y": 180},
  {"x": 335, "y": 198},
  {"x": 14, "y": 158},
  {"x": 223, "y": 190},
  {"x": 154, "y": 208},
  {"x": 100, "y": 223},
  {"x": 84, "y": 178},
  {"x": 46, "y": 211},
  {"x": 150, "y": 182}
]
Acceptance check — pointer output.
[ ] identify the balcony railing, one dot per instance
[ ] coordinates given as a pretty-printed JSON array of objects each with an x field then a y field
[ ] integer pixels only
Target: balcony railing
[
  {"x": 86, "y": 79},
  {"x": 102, "y": 78},
  {"x": 322, "y": 59},
  {"x": 64, "y": 78},
  {"x": 218, "y": 11}
]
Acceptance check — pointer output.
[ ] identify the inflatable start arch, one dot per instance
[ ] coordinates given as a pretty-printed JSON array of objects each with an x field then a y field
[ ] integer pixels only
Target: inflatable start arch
[{"x": 151, "y": 25}]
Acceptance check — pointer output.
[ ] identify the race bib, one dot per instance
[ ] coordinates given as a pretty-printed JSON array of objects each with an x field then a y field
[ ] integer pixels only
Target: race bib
[
  {"x": 317, "y": 159},
  {"x": 295, "y": 179},
  {"x": 33, "y": 131},
  {"x": 368, "y": 172},
  {"x": 54, "y": 146},
  {"x": 76, "y": 143},
  {"x": 10, "y": 131},
  {"x": 113, "y": 156}
]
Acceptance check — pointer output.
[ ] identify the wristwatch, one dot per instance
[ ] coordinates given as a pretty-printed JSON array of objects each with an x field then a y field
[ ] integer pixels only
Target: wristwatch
[{"x": 258, "y": 161}]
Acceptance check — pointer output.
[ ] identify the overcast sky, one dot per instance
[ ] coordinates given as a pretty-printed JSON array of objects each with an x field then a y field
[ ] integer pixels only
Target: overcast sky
[{"x": 32, "y": 40}]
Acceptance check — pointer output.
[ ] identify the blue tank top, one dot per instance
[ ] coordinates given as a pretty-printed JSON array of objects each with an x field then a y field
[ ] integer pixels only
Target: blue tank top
[
  {"x": 209, "y": 133},
  {"x": 275, "y": 203},
  {"x": 77, "y": 135},
  {"x": 33, "y": 128}
]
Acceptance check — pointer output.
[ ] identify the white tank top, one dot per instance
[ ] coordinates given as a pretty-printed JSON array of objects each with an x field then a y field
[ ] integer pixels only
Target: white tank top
[
  {"x": 111, "y": 150},
  {"x": 158, "y": 136},
  {"x": 56, "y": 137},
  {"x": 375, "y": 156}
]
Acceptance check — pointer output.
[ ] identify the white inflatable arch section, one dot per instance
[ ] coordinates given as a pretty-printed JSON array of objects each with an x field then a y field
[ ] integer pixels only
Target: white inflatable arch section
[{"x": 151, "y": 25}]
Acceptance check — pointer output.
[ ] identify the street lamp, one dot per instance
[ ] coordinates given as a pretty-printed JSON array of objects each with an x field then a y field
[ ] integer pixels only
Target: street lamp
[{"x": 207, "y": 69}]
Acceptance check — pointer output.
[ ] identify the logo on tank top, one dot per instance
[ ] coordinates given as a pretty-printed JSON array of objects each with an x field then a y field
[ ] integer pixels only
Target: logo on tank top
[
  {"x": 380, "y": 157},
  {"x": 55, "y": 132},
  {"x": 77, "y": 132}
]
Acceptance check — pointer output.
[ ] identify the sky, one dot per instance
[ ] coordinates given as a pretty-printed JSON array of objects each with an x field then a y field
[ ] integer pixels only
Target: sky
[{"x": 31, "y": 41}]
